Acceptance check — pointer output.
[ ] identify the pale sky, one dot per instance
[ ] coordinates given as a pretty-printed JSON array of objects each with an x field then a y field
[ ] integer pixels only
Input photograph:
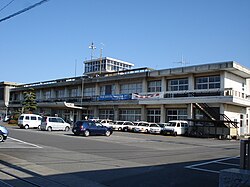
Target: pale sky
[{"x": 51, "y": 41}]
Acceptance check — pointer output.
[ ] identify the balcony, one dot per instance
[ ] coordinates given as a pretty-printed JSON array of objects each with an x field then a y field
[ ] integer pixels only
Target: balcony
[{"x": 227, "y": 95}]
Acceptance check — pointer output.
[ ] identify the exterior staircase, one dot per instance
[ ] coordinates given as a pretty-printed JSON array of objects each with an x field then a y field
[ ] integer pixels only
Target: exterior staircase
[{"x": 215, "y": 116}]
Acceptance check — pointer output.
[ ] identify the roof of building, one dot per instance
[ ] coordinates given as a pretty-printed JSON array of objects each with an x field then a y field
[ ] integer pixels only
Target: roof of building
[{"x": 229, "y": 66}]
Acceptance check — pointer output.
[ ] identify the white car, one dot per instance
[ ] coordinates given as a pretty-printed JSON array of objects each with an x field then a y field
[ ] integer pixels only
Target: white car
[
  {"x": 29, "y": 121},
  {"x": 142, "y": 127},
  {"x": 176, "y": 127},
  {"x": 54, "y": 123},
  {"x": 132, "y": 126},
  {"x": 156, "y": 128},
  {"x": 105, "y": 122},
  {"x": 122, "y": 125}
]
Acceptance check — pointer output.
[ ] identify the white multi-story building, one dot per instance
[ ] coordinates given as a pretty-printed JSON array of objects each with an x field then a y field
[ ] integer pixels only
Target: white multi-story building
[
  {"x": 105, "y": 65},
  {"x": 214, "y": 97}
]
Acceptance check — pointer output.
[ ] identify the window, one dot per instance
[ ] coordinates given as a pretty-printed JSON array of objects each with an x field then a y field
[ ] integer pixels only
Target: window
[
  {"x": 154, "y": 86},
  {"x": 33, "y": 118},
  {"x": 106, "y": 114},
  {"x": 209, "y": 82},
  {"x": 38, "y": 96},
  {"x": 154, "y": 115},
  {"x": 73, "y": 92},
  {"x": 178, "y": 84},
  {"x": 27, "y": 117},
  {"x": 59, "y": 120},
  {"x": 107, "y": 89},
  {"x": 47, "y": 94},
  {"x": 52, "y": 120},
  {"x": 59, "y": 93},
  {"x": 131, "y": 88},
  {"x": 176, "y": 114},
  {"x": 89, "y": 91},
  {"x": 130, "y": 114}
]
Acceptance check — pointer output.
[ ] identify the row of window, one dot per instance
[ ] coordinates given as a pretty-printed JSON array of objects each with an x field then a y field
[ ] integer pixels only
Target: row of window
[
  {"x": 106, "y": 65},
  {"x": 153, "y": 115},
  {"x": 209, "y": 82}
]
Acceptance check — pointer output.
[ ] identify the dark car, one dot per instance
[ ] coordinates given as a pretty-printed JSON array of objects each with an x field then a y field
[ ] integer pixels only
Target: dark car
[
  {"x": 3, "y": 133},
  {"x": 87, "y": 128}
]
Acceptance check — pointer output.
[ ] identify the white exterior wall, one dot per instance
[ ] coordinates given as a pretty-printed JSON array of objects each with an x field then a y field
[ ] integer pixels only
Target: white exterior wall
[
  {"x": 234, "y": 113},
  {"x": 234, "y": 81}
]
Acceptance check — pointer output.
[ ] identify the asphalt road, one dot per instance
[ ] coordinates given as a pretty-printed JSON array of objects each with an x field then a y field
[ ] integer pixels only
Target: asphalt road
[{"x": 37, "y": 158}]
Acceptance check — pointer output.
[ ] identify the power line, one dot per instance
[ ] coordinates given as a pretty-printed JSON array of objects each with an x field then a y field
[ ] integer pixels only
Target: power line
[
  {"x": 6, "y": 5},
  {"x": 24, "y": 10}
]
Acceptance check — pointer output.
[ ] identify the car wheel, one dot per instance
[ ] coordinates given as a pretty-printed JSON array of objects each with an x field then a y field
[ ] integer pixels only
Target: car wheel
[
  {"x": 49, "y": 129},
  {"x": 175, "y": 133},
  {"x": 146, "y": 131},
  {"x": 39, "y": 127},
  {"x": 1, "y": 138},
  {"x": 66, "y": 128},
  {"x": 26, "y": 126},
  {"x": 108, "y": 133},
  {"x": 119, "y": 129},
  {"x": 86, "y": 133}
]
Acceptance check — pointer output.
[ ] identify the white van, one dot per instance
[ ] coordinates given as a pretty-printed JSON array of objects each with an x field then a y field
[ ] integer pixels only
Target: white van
[
  {"x": 54, "y": 123},
  {"x": 176, "y": 127},
  {"x": 29, "y": 121}
]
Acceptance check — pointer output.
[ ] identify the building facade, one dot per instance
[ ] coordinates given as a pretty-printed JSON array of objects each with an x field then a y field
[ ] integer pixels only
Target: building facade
[{"x": 212, "y": 96}]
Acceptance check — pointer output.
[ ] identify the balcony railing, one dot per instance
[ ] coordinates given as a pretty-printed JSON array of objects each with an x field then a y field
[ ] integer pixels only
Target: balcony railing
[
  {"x": 193, "y": 93},
  {"x": 158, "y": 95}
]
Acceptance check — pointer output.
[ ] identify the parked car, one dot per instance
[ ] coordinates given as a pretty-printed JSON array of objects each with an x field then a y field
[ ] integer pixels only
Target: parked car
[
  {"x": 29, "y": 121},
  {"x": 156, "y": 128},
  {"x": 122, "y": 125},
  {"x": 3, "y": 133},
  {"x": 6, "y": 118},
  {"x": 87, "y": 127},
  {"x": 105, "y": 122},
  {"x": 176, "y": 127},
  {"x": 54, "y": 123},
  {"x": 142, "y": 127},
  {"x": 132, "y": 126}
]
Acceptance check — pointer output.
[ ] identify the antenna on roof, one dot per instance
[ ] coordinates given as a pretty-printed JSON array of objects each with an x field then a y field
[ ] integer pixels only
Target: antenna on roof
[
  {"x": 101, "y": 50},
  {"x": 92, "y": 47},
  {"x": 182, "y": 62}
]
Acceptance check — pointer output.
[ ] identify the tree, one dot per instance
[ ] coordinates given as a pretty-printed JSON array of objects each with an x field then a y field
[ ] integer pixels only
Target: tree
[{"x": 29, "y": 103}]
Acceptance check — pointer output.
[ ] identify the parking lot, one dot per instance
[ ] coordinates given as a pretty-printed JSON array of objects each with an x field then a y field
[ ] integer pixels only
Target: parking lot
[{"x": 124, "y": 159}]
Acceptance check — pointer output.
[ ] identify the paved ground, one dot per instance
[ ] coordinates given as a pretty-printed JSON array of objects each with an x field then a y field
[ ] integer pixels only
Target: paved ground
[{"x": 37, "y": 158}]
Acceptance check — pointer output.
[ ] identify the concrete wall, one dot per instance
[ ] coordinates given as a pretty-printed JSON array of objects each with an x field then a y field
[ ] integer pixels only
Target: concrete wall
[{"x": 234, "y": 81}]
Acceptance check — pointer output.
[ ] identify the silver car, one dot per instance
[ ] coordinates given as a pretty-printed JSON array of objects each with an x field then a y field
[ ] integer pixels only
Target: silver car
[{"x": 3, "y": 133}]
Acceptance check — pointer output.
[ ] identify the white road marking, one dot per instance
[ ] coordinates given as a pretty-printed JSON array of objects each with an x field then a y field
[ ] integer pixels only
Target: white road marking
[
  {"x": 34, "y": 145},
  {"x": 219, "y": 161}
]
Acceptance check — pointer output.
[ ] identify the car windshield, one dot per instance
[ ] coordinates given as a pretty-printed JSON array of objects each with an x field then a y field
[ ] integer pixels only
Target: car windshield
[{"x": 172, "y": 124}]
